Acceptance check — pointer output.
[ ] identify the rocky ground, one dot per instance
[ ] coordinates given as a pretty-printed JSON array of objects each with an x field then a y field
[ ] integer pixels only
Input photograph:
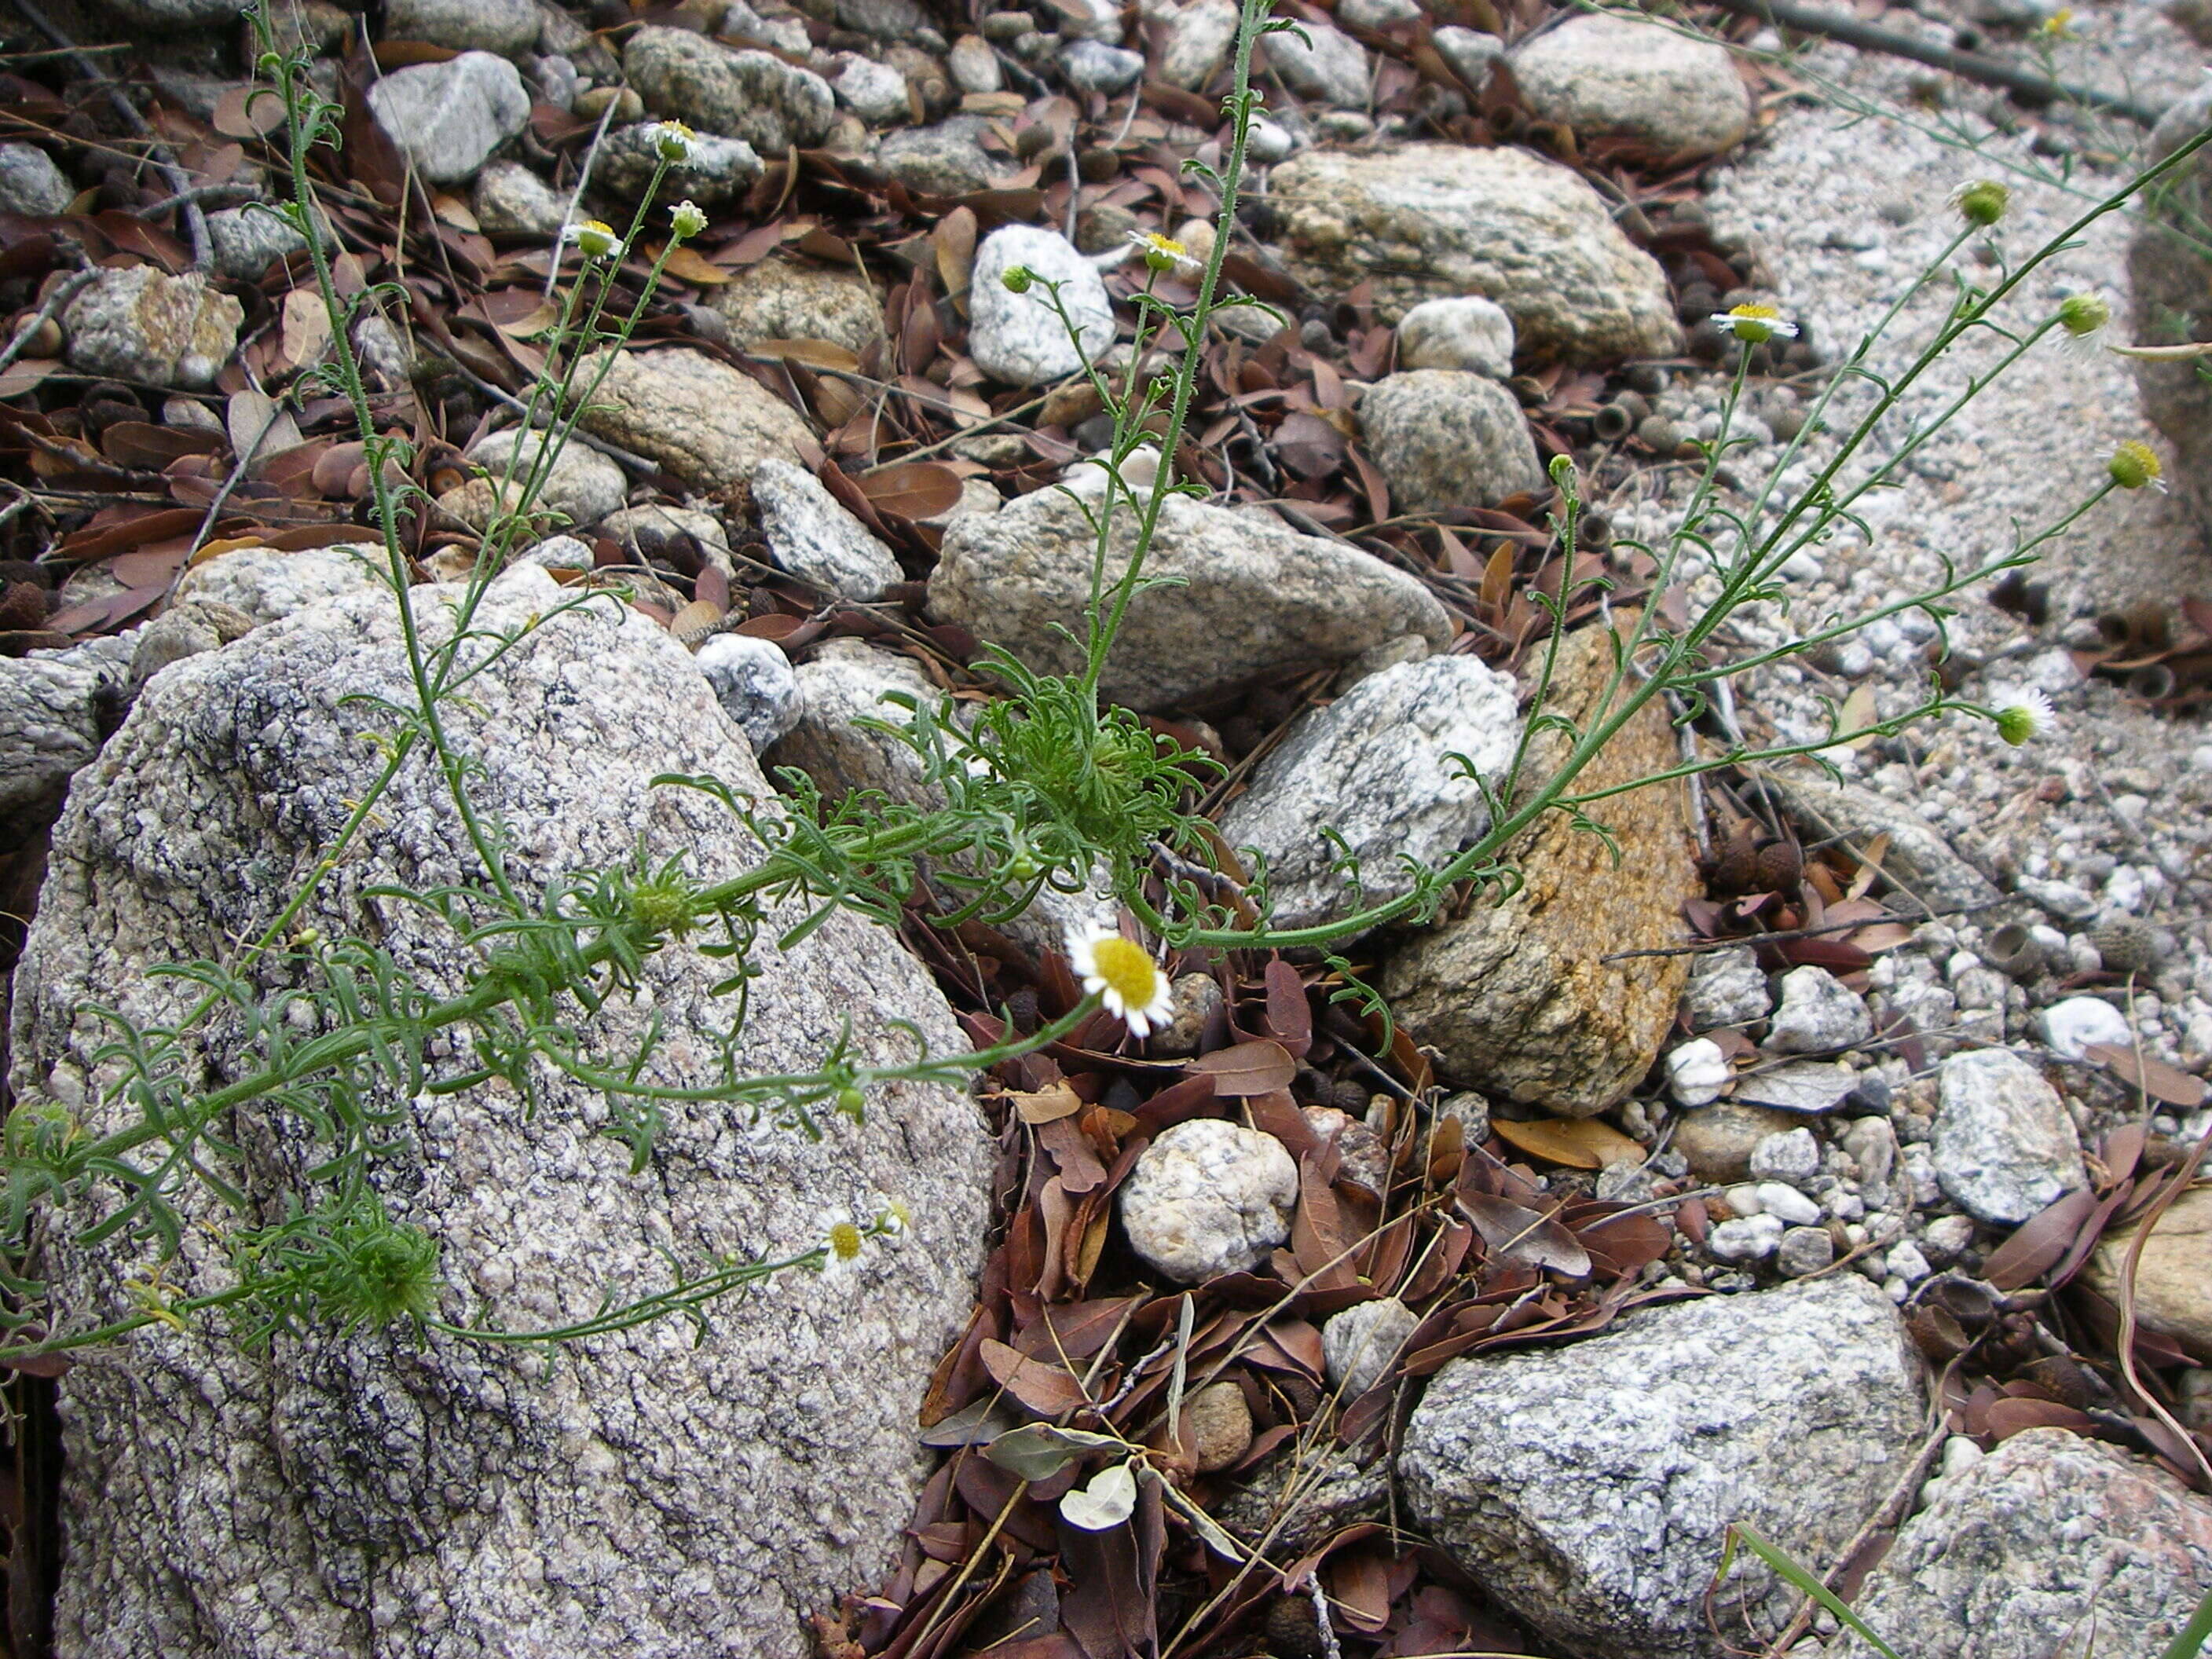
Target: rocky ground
[{"x": 1804, "y": 1166}]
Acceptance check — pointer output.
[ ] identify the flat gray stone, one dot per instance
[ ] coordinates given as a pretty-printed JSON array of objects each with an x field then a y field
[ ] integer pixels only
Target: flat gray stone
[
  {"x": 1616, "y": 77},
  {"x": 875, "y": 92},
  {"x": 718, "y": 172},
  {"x": 1374, "y": 767},
  {"x": 1318, "y": 61},
  {"x": 1426, "y": 221},
  {"x": 511, "y": 199},
  {"x": 1018, "y": 337},
  {"x": 1261, "y": 596},
  {"x": 509, "y": 28},
  {"x": 449, "y": 117},
  {"x": 1091, "y": 66},
  {"x": 753, "y": 95},
  {"x": 2004, "y": 1145},
  {"x": 246, "y": 240},
  {"x": 1588, "y": 1487},
  {"x": 705, "y": 421},
  {"x": 1467, "y": 333},
  {"x": 945, "y": 159},
  {"x": 811, "y": 535}
]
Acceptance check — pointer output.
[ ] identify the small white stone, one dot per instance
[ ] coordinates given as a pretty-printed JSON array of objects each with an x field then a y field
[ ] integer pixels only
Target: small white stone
[
  {"x": 1469, "y": 332},
  {"x": 1746, "y": 1238},
  {"x": 1793, "y": 1155},
  {"x": 756, "y": 684},
  {"x": 1359, "y": 1345},
  {"x": 1209, "y": 1197},
  {"x": 1818, "y": 1015},
  {"x": 1777, "y": 1199},
  {"x": 1696, "y": 1072},
  {"x": 2071, "y": 1026}
]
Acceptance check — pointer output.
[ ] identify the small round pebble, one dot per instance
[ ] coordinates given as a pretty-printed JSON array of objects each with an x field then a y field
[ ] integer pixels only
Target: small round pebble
[
  {"x": 1746, "y": 1238},
  {"x": 1793, "y": 1156},
  {"x": 1805, "y": 1250},
  {"x": 1217, "y": 1426},
  {"x": 1209, "y": 1197},
  {"x": 1359, "y": 1345}
]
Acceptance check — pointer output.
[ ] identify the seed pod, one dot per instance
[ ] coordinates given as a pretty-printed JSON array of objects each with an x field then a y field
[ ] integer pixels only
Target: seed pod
[
  {"x": 1779, "y": 866},
  {"x": 2013, "y": 951},
  {"x": 1649, "y": 378},
  {"x": 2127, "y": 945}
]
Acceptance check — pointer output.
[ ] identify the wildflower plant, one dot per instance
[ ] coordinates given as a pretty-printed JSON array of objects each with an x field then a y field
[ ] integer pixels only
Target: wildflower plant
[{"x": 1044, "y": 787}]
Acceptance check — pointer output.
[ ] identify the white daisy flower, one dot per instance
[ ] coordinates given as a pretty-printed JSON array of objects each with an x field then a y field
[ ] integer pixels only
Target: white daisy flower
[
  {"x": 1119, "y": 973},
  {"x": 596, "y": 237},
  {"x": 1752, "y": 324},
  {"x": 1163, "y": 253},
  {"x": 842, "y": 1242},
  {"x": 2083, "y": 319},
  {"x": 2023, "y": 713}
]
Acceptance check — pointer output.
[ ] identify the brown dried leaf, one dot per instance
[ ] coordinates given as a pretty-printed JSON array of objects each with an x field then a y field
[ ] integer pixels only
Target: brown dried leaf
[
  {"x": 2039, "y": 1242},
  {"x": 911, "y": 489},
  {"x": 1246, "y": 1069},
  {"x": 1579, "y": 1143},
  {"x": 1046, "y": 1105},
  {"x": 2154, "y": 1077},
  {"x": 1523, "y": 1235},
  {"x": 1046, "y": 1389}
]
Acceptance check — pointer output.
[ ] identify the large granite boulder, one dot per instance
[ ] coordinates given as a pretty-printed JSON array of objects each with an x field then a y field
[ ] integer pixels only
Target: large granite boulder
[{"x": 671, "y": 1490}]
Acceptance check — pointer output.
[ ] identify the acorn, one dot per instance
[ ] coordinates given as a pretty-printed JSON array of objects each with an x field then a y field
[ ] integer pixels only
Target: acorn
[{"x": 1779, "y": 866}]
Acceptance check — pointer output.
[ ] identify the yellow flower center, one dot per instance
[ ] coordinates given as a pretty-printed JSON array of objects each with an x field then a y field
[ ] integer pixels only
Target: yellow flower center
[
  {"x": 1127, "y": 972},
  {"x": 1166, "y": 245},
  {"x": 1756, "y": 312},
  {"x": 2135, "y": 465},
  {"x": 844, "y": 1240}
]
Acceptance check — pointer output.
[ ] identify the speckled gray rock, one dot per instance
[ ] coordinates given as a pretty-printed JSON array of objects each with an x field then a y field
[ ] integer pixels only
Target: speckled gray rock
[
  {"x": 2004, "y": 1144},
  {"x": 654, "y": 1489},
  {"x": 1512, "y": 996},
  {"x": 137, "y": 324},
  {"x": 1445, "y": 438},
  {"x": 753, "y": 95},
  {"x": 1359, "y": 1345},
  {"x": 268, "y": 585},
  {"x": 1093, "y": 66},
  {"x": 1614, "y": 78},
  {"x": 1727, "y": 987},
  {"x": 30, "y": 183},
  {"x": 1588, "y": 1487},
  {"x": 754, "y": 681},
  {"x": 246, "y": 240},
  {"x": 165, "y": 15},
  {"x": 449, "y": 117},
  {"x": 509, "y": 28},
  {"x": 2051, "y": 1537},
  {"x": 1018, "y": 337},
  {"x": 875, "y": 92},
  {"x": 785, "y": 299},
  {"x": 1318, "y": 61},
  {"x": 716, "y": 173},
  {"x": 50, "y": 725},
  {"x": 1818, "y": 1015},
  {"x": 815, "y": 538},
  {"x": 1467, "y": 333},
  {"x": 1209, "y": 1197},
  {"x": 974, "y": 66},
  {"x": 1374, "y": 767},
  {"x": 511, "y": 199},
  {"x": 1430, "y": 221},
  {"x": 1260, "y": 596},
  {"x": 2170, "y": 274},
  {"x": 1198, "y": 43},
  {"x": 708, "y": 424},
  {"x": 945, "y": 159},
  {"x": 580, "y": 484},
  {"x": 887, "y": 19}
]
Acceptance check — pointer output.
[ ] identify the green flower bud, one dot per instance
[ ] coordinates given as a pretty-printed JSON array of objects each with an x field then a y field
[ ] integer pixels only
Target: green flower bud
[
  {"x": 2134, "y": 464},
  {"x": 1984, "y": 202},
  {"x": 1019, "y": 279},
  {"x": 2083, "y": 314}
]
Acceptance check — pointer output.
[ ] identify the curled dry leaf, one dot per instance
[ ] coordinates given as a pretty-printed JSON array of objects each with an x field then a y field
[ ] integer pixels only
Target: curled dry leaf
[
  {"x": 1259, "y": 1067},
  {"x": 1580, "y": 1143}
]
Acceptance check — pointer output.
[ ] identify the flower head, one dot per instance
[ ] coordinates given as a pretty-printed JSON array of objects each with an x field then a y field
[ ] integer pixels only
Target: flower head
[
  {"x": 2023, "y": 715},
  {"x": 893, "y": 1219},
  {"x": 595, "y": 237},
  {"x": 687, "y": 220},
  {"x": 2059, "y": 26},
  {"x": 842, "y": 1243},
  {"x": 1983, "y": 203},
  {"x": 1755, "y": 323},
  {"x": 1123, "y": 976},
  {"x": 2135, "y": 465},
  {"x": 1017, "y": 278},
  {"x": 2083, "y": 317},
  {"x": 672, "y": 140},
  {"x": 1163, "y": 253}
]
